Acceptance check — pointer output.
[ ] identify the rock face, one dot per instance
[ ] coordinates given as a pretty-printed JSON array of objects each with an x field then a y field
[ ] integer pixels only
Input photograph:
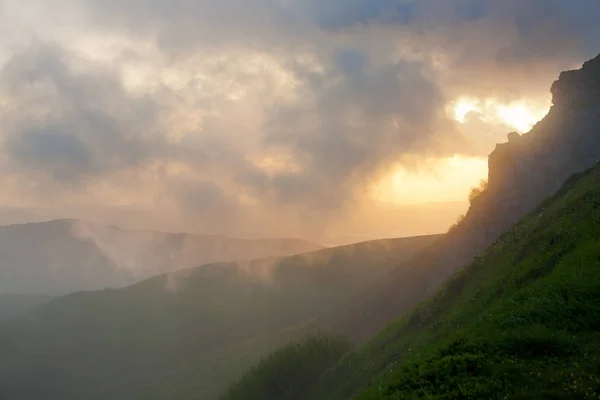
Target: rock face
[
  {"x": 578, "y": 89},
  {"x": 523, "y": 172},
  {"x": 532, "y": 167},
  {"x": 513, "y": 136},
  {"x": 526, "y": 170}
]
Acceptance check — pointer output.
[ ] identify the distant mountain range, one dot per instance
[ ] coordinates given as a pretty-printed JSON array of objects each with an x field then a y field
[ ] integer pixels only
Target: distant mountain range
[
  {"x": 63, "y": 256},
  {"x": 383, "y": 220}
]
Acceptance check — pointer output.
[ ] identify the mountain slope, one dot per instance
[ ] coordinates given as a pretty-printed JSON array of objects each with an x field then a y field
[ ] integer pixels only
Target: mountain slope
[
  {"x": 523, "y": 320},
  {"x": 522, "y": 173},
  {"x": 13, "y": 304},
  {"x": 185, "y": 334},
  {"x": 286, "y": 373},
  {"x": 64, "y": 256},
  {"x": 520, "y": 322}
]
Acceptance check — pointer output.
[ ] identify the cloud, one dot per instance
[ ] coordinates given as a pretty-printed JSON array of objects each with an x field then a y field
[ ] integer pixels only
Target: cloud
[
  {"x": 368, "y": 118},
  {"x": 280, "y": 114},
  {"x": 481, "y": 45},
  {"x": 68, "y": 125},
  {"x": 184, "y": 25}
]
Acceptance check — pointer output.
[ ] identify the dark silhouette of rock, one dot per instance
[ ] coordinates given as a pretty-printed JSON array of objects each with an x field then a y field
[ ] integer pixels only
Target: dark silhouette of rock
[
  {"x": 513, "y": 136},
  {"x": 523, "y": 172},
  {"x": 579, "y": 88},
  {"x": 532, "y": 167}
]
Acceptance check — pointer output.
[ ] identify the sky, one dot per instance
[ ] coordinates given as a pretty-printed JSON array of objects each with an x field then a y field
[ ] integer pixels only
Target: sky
[{"x": 310, "y": 118}]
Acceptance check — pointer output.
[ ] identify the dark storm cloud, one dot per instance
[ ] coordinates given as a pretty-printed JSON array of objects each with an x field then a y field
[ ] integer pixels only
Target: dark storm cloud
[
  {"x": 485, "y": 40},
  {"x": 350, "y": 62},
  {"x": 338, "y": 14},
  {"x": 542, "y": 26},
  {"x": 181, "y": 25},
  {"x": 71, "y": 125},
  {"x": 360, "y": 105},
  {"x": 370, "y": 117},
  {"x": 207, "y": 201},
  {"x": 488, "y": 45},
  {"x": 551, "y": 28}
]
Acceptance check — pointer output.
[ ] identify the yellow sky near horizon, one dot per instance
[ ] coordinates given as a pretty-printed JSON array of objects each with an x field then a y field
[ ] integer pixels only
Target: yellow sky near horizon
[{"x": 450, "y": 178}]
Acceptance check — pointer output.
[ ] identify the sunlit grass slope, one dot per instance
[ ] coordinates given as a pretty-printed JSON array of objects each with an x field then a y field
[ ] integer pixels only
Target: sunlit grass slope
[{"x": 520, "y": 322}]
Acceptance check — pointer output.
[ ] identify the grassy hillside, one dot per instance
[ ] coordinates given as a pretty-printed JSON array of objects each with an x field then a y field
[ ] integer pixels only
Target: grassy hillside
[
  {"x": 287, "y": 373},
  {"x": 402, "y": 288},
  {"x": 186, "y": 334},
  {"x": 520, "y": 322},
  {"x": 63, "y": 256}
]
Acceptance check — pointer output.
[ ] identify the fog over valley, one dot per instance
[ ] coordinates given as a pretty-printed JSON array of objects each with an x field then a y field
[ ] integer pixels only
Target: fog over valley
[{"x": 299, "y": 199}]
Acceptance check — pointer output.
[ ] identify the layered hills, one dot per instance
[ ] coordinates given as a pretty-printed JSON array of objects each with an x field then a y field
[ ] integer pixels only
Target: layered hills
[
  {"x": 186, "y": 334},
  {"x": 63, "y": 256}
]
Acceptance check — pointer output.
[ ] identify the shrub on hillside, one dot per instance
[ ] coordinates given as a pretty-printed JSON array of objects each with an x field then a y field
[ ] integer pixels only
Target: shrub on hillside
[
  {"x": 459, "y": 220},
  {"x": 474, "y": 194},
  {"x": 288, "y": 373},
  {"x": 477, "y": 191}
]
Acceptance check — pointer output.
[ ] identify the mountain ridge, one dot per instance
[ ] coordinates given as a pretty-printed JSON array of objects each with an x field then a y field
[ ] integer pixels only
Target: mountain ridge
[
  {"x": 523, "y": 172},
  {"x": 66, "y": 255},
  {"x": 177, "y": 329}
]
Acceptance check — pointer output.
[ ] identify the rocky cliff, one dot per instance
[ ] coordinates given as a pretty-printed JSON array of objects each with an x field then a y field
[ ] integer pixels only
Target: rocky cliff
[
  {"x": 523, "y": 172},
  {"x": 530, "y": 168}
]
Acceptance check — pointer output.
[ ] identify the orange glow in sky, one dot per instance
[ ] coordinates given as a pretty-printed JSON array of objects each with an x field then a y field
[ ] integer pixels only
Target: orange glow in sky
[{"x": 447, "y": 179}]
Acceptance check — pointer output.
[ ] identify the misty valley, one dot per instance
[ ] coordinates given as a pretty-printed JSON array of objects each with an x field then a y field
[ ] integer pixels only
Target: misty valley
[{"x": 299, "y": 200}]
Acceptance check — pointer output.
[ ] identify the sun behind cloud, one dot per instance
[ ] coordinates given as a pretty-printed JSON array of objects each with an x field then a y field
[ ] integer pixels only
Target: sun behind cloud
[
  {"x": 463, "y": 106},
  {"x": 520, "y": 115}
]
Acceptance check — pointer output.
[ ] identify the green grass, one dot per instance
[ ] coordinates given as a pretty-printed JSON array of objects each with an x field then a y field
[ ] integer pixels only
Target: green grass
[
  {"x": 289, "y": 372},
  {"x": 520, "y": 322},
  {"x": 208, "y": 374}
]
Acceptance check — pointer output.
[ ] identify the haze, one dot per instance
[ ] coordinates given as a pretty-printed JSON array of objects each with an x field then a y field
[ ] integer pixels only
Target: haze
[{"x": 329, "y": 120}]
